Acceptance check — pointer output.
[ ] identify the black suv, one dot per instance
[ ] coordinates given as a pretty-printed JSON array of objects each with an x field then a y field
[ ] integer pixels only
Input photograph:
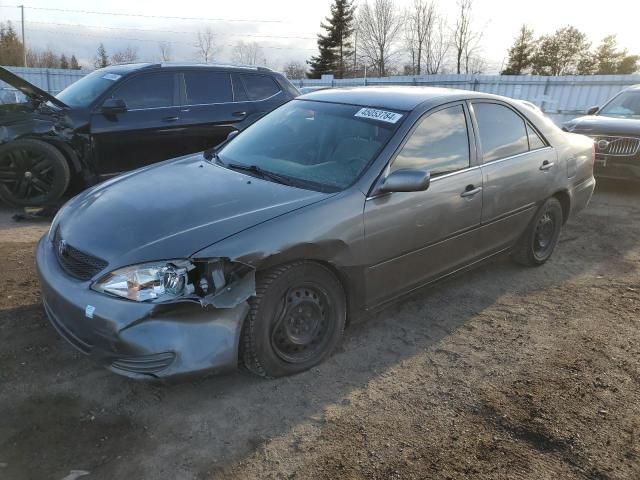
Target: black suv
[
  {"x": 615, "y": 129},
  {"x": 123, "y": 117}
]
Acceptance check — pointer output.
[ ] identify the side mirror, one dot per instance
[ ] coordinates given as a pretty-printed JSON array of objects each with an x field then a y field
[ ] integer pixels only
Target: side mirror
[
  {"x": 232, "y": 134},
  {"x": 593, "y": 110},
  {"x": 406, "y": 180},
  {"x": 111, "y": 106}
]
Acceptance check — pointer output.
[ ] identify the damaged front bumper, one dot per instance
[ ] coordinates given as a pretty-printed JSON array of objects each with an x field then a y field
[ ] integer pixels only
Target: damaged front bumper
[{"x": 138, "y": 339}]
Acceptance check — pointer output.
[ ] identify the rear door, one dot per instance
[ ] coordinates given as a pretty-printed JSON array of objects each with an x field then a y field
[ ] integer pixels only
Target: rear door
[
  {"x": 518, "y": 168},
  {"x": 147, "y": 132},
  {"x": 208, "y": 111},
  {"x": 261, "y": 92},
  {"x": 413, "y": 237}
]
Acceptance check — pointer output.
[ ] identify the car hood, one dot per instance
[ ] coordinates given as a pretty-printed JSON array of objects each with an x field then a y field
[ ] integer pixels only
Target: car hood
[
  {"x": 172, "y": 210},
  {"x": 601, "y": 125},
  {"x": 29, "y": 89}
]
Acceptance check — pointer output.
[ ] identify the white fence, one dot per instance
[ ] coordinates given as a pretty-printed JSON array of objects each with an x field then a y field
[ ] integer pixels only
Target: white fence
[{"x": 559, "y": 97}]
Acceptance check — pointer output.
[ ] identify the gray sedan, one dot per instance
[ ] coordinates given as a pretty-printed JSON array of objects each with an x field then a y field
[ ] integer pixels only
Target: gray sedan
[{"x": 337, "y": 203}]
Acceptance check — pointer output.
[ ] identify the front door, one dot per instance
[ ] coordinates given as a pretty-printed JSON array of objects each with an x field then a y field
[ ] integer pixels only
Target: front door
[
  {"x": 149, "y": 131},
  {"x": 413, "y": 237}
]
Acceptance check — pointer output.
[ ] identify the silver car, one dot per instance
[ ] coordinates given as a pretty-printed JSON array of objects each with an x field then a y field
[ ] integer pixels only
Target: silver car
[{"x": 333, "y": 205}]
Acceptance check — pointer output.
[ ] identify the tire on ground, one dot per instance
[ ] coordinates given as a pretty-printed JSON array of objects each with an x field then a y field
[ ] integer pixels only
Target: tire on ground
[
  {"x": 528, "y": 251},
  {"x": 32, "y": 173},
  {"x": 284, "y": 294}
]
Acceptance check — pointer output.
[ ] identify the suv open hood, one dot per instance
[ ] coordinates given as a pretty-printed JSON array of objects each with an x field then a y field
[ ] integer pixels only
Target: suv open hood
[{"x": 30, "y": 90}]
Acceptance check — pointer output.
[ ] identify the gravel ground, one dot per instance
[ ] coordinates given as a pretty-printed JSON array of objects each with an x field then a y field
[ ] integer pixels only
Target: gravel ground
[{"x": 503, "y": 372}]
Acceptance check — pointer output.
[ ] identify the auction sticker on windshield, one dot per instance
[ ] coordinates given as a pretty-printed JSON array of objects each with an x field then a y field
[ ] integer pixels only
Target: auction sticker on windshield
[
  {"x": 111, "y": 76},
  {"x": 381, "y": 115}
]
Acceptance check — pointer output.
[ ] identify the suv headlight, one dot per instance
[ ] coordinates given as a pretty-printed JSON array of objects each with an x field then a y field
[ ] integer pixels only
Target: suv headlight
[{"x": 155, "y": 281}]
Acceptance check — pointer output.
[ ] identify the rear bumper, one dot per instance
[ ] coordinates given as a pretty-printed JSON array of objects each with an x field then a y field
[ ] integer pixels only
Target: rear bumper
[
  {"x": 581, "y": 195},
  {"x": 138, "y": 340}
]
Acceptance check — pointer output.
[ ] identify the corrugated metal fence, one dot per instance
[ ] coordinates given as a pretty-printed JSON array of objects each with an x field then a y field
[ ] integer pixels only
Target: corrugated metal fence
[{"x": 559, "y": 97}]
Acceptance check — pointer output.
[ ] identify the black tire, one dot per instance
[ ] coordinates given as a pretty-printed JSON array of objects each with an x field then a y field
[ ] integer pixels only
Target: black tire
[
  {"x": 539, "y": 240},
  {"x": 296, "y": 319},
  {"x": 32, "y": 173}
]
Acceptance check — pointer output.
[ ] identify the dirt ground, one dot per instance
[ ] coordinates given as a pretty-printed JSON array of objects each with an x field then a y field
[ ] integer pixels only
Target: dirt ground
[{"x": 503, "y": 372}]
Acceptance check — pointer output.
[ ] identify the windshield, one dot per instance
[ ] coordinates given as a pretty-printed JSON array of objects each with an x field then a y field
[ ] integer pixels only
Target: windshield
[
  {"x": 322, "y": 146},
  {"x": 83, "y": 92},
  {"x": 627, "y": 104}
]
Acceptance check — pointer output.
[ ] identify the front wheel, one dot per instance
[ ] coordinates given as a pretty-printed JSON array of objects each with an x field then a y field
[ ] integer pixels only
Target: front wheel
[
  {"x": 540, "y": 239},
  {"x": 296, "y": 319},
  {"x": 32, "y": 173}
]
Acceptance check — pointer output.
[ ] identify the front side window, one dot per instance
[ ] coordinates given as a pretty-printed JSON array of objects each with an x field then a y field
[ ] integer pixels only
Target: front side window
[
  {"x": 207, "y": 87},
  {"x": 627, "y": 104},
  {"x": 259, "y": 87},
  {"x": 152, "y": 90},
  {"x": 318, "y": 145},
  {"x": 502, "y": 131},
  {"x": 440, "y": 143}
]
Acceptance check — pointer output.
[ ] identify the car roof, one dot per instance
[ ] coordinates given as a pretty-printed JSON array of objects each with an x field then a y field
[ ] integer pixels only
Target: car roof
[
  {"x": 405, "y": 98},
  {"x": 124, "y": 68}
]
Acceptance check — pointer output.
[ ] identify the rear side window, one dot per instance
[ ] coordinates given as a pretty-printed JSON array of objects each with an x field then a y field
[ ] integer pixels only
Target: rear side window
[
  {"x": 259, "y": 87},
  {"x": 502, "y": 132},
  {"x": 207, "y": 87},
  {"x": 535, "y": 142},
  {"x": 440, "y": 143},
  {"x": 152, "y": 90}
]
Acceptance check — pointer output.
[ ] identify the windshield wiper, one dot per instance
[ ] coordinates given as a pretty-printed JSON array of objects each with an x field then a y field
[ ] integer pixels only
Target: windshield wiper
[{"x": 260, "y": 172}]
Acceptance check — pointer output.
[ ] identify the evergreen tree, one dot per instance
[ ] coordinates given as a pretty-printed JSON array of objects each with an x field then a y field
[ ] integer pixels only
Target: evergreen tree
[
  {"x": 335, "y": 47},
  {"x": 565, "y": 52},
  {"x": 609, "y": 60},
  {"x": 64, "y": 63},
  {"x": 521, "y": 53},
  {"x": 74, "y": 63},
  {"x": 101, "y": 59},
  {"x": 11, "y": 52}
]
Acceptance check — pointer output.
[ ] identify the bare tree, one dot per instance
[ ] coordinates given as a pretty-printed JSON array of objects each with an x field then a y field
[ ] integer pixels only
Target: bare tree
[
  {"x": 379, "y": 25},
  {"x": 165, "y": 51},
  {"x": 128, "y": 55},
  {"x": 437, "y": 47},
  {"x": 205, "y": 44},
  {"x": 294, "y": 70},
  {"x": 465, "y": 40},
  {"x": 419, "y": 27},
  {"x": 249, "y": 53}
]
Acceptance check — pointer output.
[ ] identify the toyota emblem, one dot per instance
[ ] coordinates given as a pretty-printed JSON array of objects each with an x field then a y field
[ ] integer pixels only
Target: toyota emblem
[{"x": 62, "y": 248}]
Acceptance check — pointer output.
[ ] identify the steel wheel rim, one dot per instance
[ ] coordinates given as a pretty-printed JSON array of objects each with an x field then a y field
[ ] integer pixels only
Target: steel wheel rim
[
  {"x": 544, "y": 234},
  {"x": 304, "y": 322},
  {"x": 26, "y": 174}
]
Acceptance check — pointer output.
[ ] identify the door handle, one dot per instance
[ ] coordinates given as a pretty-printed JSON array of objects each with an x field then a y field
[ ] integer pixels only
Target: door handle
[
  {"x": 239, "y": 114},
  {"x": 470, "y": 191},
  {"x": 170, "y": 119},
  {"x": 546, "y": 165}
]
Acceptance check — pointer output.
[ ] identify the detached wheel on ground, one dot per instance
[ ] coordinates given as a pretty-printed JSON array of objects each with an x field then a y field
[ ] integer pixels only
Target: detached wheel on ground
[
  {"x": 540, "y": 239},
  {"x": 296, "y": 319},
  {"x": 32, "y": 173}
]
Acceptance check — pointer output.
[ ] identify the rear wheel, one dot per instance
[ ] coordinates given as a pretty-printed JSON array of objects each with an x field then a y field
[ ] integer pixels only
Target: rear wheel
[
  {"x": 296, "y": 319},
  {"x": 32, "y": 173},
  {"x": 540, "y": 239}
]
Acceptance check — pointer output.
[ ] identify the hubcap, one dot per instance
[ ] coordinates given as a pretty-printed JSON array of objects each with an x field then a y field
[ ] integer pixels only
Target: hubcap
[
  {"x": 26, "y": 174},
  {"x": 544, "y": 232},
  {"x": 303, "y": 324}
]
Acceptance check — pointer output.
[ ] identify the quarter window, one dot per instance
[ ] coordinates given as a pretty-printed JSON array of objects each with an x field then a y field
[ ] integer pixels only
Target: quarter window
[
  {"x": 535, "y": 142},
  {"x": 440, "y": 143},
  {"x": 502, "y": 131},
  {"x": 207, "y": 87},
  {"x": 152, "y": 90},
  {"x": 259, "y": 87}
]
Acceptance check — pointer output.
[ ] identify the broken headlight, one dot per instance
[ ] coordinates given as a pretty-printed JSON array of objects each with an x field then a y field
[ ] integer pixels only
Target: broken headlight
[{"x": 157, "y": 281}]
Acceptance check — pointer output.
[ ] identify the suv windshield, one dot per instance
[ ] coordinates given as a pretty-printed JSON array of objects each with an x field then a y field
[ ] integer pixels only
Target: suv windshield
[
  {"x": 83, "y": 92},
  {"x": 627, "y": 104},
  {"x": 317, "y": 145}
]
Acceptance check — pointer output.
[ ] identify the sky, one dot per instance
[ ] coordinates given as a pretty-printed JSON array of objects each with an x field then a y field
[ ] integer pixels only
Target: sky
[{"x": 286, "y": 29}]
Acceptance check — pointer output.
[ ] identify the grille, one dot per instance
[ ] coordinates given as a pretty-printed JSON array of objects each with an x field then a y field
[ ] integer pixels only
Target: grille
[
  {"x": 617, "y": 146},
  {"x": 76, "y": 263},
  {"x": 145, "y": 364}
]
